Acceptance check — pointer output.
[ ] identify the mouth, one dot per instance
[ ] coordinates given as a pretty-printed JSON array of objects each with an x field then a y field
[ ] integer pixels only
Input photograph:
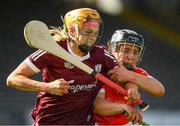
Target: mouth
[{"x": 89, "y": 44}]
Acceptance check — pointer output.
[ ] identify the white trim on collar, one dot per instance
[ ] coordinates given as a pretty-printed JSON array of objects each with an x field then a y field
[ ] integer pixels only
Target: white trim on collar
[{"x": 79, "y": 57}]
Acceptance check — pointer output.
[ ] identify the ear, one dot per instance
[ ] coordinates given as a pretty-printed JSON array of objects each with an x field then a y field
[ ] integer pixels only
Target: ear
[{"x": 72, "y": 33}]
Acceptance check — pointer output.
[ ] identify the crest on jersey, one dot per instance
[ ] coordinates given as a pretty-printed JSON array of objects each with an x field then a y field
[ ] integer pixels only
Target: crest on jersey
[
  {"x": 68, "y": 65},
  {"x": 98, "y": 67}
]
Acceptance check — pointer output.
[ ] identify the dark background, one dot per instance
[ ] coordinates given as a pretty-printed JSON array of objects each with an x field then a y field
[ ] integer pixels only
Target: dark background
[{"x": 158, "y": 21}]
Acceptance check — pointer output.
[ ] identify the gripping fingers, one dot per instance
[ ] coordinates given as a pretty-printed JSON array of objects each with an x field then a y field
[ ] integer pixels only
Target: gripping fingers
[
  {"x": 133, "y": 95},
  {"x": 136, "y": 117},
  {"x": 59, "y": 87}
]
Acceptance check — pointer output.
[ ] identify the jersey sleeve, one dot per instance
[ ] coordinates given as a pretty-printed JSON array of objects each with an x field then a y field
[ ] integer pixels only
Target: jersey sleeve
[
  {"x": 110, "y": 61},
  {"x": 141, "y": 71},
  {"x": 37, "y": 60}
]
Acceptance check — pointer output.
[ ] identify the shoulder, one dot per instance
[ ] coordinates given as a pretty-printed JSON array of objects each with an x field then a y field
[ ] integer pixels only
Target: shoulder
[
  {"x": 41, "y": 54},
  {"x": 62, "y": 43},
  {"x": 97, "y": 51},
  {"x": 99, "y": 48},
  {"x": 102, "y": 49}
]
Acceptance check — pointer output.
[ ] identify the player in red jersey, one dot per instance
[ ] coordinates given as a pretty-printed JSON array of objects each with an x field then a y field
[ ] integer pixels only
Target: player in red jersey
[
  {"x": 66, "y": 94},
  {"x": 128, "y": 47}
]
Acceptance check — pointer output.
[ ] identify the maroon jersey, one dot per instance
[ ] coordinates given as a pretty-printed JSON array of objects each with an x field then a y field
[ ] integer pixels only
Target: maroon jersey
[{"x": 76, "y": 107}]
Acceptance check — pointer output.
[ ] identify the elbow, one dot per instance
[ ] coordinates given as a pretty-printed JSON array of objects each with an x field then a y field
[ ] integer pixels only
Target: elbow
[
  {"x": 160, "y": 92},
  {"x": 96, "y": 106},
  {"x": 159, "y": 89},
  {"x": 100, "y": 111},
  {"x": 9, "y": 81},
  {"x": 96, "y": 111}
]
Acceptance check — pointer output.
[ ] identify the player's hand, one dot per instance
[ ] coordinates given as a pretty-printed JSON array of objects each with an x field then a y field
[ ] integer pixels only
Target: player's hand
[
  {"x": 133, "y": 95},
  {"x": 58, "y": 87},
  {"x": 132, "y": 114},
  {"x": 120, "y": 74}
]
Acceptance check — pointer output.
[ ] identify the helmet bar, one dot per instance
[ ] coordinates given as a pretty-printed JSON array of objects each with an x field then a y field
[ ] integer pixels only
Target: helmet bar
[{"x": 126, "y": 36}]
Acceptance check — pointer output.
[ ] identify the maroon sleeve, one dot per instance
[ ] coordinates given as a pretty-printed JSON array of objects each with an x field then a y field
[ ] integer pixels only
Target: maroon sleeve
[
  {"x": 110, "y": 61},
  {"x": 38, "y": 60}
]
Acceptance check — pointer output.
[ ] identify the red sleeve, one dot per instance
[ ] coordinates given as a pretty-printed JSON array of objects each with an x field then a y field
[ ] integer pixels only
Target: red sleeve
[{"x": 141, "y": 71}]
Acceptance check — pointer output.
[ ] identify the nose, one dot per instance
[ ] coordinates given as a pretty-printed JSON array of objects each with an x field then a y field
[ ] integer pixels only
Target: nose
[{"x": 128, "y": 56}]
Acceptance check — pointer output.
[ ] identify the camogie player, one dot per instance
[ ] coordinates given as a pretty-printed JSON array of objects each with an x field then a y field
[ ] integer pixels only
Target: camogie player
[
  {"x": 127, "y": 47},
  {"x": 66, "y": 94}
]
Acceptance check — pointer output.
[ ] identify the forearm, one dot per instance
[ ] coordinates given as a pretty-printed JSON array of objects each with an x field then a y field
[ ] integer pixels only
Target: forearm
[
  {"x": 131, "y": 85},
  {"x": 24, "y": 83},
  {"x": 107, "y": 108},
  {"x": 149, "y": 84}
]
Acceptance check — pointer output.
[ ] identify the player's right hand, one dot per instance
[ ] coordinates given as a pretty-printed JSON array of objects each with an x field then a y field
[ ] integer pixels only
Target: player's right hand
[
  {"x": 120, "y": 74},
  {"x": 58, "y": 87},
  {"x": 133, "y": 116}
]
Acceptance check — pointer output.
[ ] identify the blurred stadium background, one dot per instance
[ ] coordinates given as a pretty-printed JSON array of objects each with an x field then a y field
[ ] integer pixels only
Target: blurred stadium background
[{"x": 158, "y": 21}]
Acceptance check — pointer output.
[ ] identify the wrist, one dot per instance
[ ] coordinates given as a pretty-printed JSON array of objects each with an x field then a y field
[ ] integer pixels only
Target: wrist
[
  {"x": 132, "y": 77},
  {"x": 122, "y": 108},
  {"x": 44, "y": 87}
]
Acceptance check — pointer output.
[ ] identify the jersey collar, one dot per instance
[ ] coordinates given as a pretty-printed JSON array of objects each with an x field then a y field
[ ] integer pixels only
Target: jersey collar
[{"x": 87, "y": 56}]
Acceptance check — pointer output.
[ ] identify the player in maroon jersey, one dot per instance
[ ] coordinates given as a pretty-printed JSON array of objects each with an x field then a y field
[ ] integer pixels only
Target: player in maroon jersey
[
  {"x": 128, "y": 47},
  {"x": 66, "y": 94}
]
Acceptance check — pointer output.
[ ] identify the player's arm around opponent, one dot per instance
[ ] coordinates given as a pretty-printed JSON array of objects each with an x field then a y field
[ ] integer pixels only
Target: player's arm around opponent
[{"x": 128, "y": 48}]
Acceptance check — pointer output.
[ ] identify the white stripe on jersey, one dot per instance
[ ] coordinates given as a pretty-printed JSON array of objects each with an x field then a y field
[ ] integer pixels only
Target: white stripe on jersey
[
  {"x": 31, "y": 65},
  {"x": 36, "y": 53},
  {"x": 39, "y": 56},
  {"x": 106, "y": 53}
]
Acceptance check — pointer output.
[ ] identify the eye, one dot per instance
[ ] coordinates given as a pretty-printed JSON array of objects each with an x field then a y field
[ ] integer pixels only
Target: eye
[
  {"x": 90, "y": 33},
  {"x": 136, "y": 53},
  {"x": 87, "y": 32},
  {"x": 126, "y": 51},
  {"x": 96, "y": 33}
]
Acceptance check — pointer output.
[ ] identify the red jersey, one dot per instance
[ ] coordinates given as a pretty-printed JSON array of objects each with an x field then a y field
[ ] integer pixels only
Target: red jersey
[
  {"x": 114, "y": 96},
  {"x": 76, "y": 107}
]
